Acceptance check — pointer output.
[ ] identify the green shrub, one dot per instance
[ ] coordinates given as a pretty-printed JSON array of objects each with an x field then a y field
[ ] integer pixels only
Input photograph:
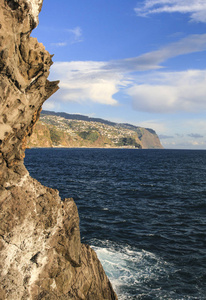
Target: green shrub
[
  {"x": 128, "y": 141},
  {"x": 55, "y": 135},
  {"x": 89, "y": 135}
]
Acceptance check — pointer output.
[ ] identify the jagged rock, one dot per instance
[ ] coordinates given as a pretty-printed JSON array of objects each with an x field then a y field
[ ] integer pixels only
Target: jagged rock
[{"x": 41, "y": 256}]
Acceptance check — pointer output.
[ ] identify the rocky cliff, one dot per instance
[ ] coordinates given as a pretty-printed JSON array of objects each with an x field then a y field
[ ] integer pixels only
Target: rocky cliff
[
  {"x": 41, "y": 256},
  {"x": 67, "y": 130}
]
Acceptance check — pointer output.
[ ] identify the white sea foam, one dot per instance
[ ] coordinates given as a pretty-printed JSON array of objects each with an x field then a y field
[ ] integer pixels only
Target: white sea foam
[
  {"x": 129, "y": 269},
  {"x": 105, "y": 208}
]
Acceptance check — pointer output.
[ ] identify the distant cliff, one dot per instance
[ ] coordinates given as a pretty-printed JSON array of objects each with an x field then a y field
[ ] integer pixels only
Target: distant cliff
[{"x": 67, "y": 130}]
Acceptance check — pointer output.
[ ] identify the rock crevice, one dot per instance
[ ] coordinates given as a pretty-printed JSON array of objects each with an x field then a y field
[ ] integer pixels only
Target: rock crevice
[{"x": 41, "y": 255}]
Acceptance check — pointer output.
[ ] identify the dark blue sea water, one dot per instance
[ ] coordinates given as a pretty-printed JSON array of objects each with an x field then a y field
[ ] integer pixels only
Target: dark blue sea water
[{"x": 143, "y": 211}]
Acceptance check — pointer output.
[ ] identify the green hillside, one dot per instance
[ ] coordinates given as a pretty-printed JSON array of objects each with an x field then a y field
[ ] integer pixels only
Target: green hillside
[{"x": 65, "y": 130}]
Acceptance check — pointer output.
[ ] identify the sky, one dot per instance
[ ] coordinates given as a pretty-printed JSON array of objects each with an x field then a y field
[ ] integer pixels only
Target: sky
[{"x": 141, "y": 62}]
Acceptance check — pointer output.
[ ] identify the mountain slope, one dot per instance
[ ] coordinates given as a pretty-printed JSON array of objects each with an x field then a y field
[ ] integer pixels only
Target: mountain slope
[{"x": 67, "y": 130}]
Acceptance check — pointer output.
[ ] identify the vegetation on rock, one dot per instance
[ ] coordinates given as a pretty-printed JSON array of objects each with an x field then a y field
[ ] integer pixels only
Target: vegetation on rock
[
  {"x": 66, "y": 130},
  {"x": 89, "y": 135}
]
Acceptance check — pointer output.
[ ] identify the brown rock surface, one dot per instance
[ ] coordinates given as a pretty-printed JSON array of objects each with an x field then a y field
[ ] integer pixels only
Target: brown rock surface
[{"x": 41, "y": 256}]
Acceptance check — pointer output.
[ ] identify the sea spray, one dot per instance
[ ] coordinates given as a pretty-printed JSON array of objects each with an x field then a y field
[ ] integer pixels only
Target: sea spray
[
  {"x": 143, "y": 211},
  {"x": 132, "y": 272}
]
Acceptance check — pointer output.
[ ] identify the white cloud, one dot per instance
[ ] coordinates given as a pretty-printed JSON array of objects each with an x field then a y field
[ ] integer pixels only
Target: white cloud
[
  {"x": 171, "y": 92},
  {"x": 71, "y": 36},
  {"x": 76, "y": 34},
  {"x": 152, "y": 60},
  {"x": 148, "y": 61},
  {"x": 61, "y": 44},
  {"x": 50, "y": 105},
  {"x": 87, "y": 81},
  {"x": 196, "y": 8},
  {"x": 98, "y": 82}
]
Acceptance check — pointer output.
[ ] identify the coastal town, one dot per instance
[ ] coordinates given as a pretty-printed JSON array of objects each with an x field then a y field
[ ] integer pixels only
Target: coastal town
[
  {"x": 76, "y": 128},
  {"x": 58, "y": 131}
]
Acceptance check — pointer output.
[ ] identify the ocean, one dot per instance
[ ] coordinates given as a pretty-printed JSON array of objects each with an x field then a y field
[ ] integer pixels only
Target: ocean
[{"x": 142, "y": 211}]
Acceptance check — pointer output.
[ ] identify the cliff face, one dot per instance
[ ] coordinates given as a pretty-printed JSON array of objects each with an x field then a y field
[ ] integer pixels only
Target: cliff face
[
  {"x": 150, "y": 140},
  {"x": 41, "y": 256},
  {"x": 57, "y": 131}
]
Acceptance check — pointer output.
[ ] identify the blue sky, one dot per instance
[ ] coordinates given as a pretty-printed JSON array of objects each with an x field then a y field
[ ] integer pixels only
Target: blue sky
[{"x": 141, "y": 62}]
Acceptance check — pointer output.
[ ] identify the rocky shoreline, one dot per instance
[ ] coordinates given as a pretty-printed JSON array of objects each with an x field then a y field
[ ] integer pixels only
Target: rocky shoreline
[{"x": 41, "y": 255}]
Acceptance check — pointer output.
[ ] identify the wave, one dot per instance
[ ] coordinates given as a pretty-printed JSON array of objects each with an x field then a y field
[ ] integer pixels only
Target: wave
[
  {"x": 131, "y": 271},
  {"x": 143, "y": 275},
  {"x": 153, "y": 201}
]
